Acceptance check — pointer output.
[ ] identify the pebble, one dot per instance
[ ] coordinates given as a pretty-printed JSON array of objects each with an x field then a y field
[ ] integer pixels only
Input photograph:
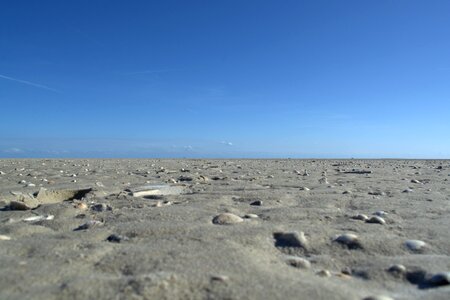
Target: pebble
[
  {"x": 251, "y": 216},
  {"x": 81, "y": 205},
  {"x": 227, "y": 219},
  {"x": 88, "y": 225},
  {"x": 415, "y": 245},
  {"x": 100, "y": 207},
  {"x": 349, "y": 239},
  {"x": 304, "y": 188},
  {"x": 2, "y": 173},
  {"x": 115, "y": 238},
  {"x": 324, "y": 273},
  {"x": 297, "y": 262},
  {"x": 257, "y": 203},
  {"x": 380, "y": 213},
  {"x": 221, "y": 278},
  {"x": 31, "y": 185},
  {"x": 347, "y": 192},
  {"x": 439, "y": 279},
  {"x": 4, "y": 237},
  {"x": 415, "y": 181},
  {"x": 408, "y": 191},
  {"x": 290, "y": 239},
  {"x": 376, "y": 220},
  {"x": 361, "y": 217},
  {"x": 397, "y": 269},
  {"x": 378, "y": 297}
]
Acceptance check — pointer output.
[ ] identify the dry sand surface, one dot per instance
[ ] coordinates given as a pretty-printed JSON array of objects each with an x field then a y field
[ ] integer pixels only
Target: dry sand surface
[{"x": 224, "y": 229}]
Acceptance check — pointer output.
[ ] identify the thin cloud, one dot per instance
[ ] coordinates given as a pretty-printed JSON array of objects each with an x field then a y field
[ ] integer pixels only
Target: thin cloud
[{"x": 37, "y": 85}]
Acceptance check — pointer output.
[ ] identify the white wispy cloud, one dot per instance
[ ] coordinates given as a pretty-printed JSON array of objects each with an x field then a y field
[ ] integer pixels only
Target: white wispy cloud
[{"x": 36, "y": 85}]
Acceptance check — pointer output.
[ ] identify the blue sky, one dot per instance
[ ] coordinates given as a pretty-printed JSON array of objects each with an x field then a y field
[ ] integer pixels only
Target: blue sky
[{"x": 225, "y": 78}]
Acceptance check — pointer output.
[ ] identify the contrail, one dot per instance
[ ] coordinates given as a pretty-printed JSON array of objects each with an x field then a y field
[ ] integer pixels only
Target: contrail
[{"x": 41, "y": 86}]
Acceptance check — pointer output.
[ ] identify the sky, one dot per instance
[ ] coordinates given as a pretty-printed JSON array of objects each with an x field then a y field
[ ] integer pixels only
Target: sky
[{"x": 226, "y": 79}]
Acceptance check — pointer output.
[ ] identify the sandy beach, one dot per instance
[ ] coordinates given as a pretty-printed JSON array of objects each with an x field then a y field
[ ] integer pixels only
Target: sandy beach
[{"x": 224, "y": 229}]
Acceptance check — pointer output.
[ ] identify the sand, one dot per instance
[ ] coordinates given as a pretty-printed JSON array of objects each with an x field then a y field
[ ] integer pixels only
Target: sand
[{"x": 282, "y": 229}]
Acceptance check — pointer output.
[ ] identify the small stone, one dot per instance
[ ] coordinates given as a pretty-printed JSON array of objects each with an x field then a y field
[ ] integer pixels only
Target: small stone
[
  {"x": 304, "y": 188},
  {"x": 397, "y": 270},
  {"x": 30, "y": 185},
  {"x": 347, "y": 192},
  {"x": 226, "y": 219},
  {"x": 376, "y": 220},
  {"x": 324, "y": 273},
  {"x": 297, "y": 262},
  {"x": 185, "y": 178},
  {"x": 2, "y": 173},
  {"x": 257, "y": 203},
  {"x": 349, "y": 240},
  {"x": 99, "y": 184},
  {"x": 115, "y": 238},
  {"x": 100, "y": 207},
  {"x": 221, "y": 278},
  {"x": 380, "y": 213},
  {"x": 81, "y": 205},
  {"x": 415, "y": 181},
  {"x": 408, "y": 191},
  {"x": 361, "y": 217},
  {"x": 378, "y": 297},
  {"x": 290, "y": 239},
  {"x": 4, "y": 237},
  {"x": 347, "y": 271},
  {"x": 251, "y": 216},
  {"x": 439, "y": 279},
  {"x": 415, "y": 245},
  {"x": 88, "y": 225}
]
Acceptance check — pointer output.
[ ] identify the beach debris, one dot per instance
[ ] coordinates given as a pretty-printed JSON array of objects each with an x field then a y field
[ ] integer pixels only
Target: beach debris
[
  {"x": 227, "y": 219},
  {"x": 156, "y": 189},
  {"x": 290, "y": 239},
  {"x": 39, "y": 218},
  {"x": 376, "y": 220},
  {"x": 297, "y": 262},
  {"x": 350, "y": 240},
  {"x": 415, "y": 245},
  {"x": 4, "y": 237}
]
